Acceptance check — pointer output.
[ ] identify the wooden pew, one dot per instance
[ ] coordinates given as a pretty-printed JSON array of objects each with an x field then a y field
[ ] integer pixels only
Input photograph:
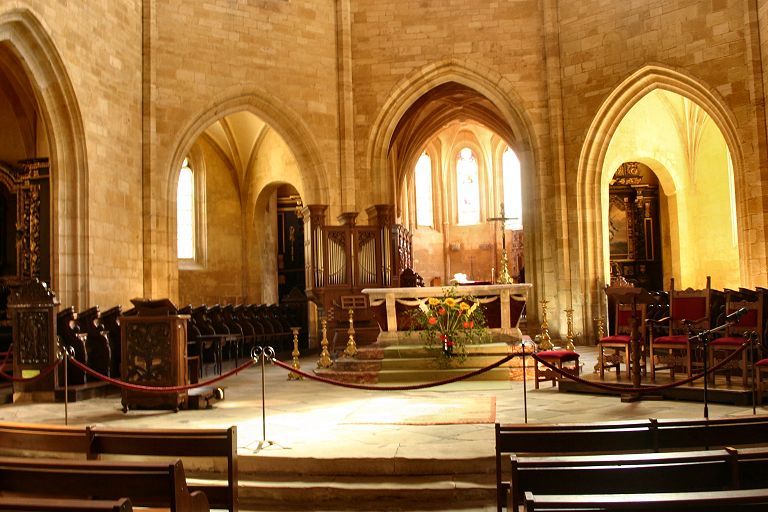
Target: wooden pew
[
  {"x": 146, "y": 484},
  {"x": 37, "y": 504},
  {"x": 645, "y": 472},
  {"x": 94, "y": 442},
  {"x": 176, "y": 443},
  {"x": 710, "y": 501},
  {"x": 616, "y": 437}
]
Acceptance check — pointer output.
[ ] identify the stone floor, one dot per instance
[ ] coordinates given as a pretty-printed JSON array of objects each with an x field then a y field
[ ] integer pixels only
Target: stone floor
[{"x": 308, "y": 419}]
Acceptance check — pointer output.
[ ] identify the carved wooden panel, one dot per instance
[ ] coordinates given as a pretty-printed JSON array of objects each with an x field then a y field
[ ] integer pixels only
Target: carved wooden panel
[
  {"x": 33, "y": 327},
  {"x": 154, "y": 353}
]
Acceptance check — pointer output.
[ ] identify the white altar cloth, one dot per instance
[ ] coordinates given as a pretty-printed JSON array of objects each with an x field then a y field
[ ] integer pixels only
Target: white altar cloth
[{"x": 505, "y": 293}]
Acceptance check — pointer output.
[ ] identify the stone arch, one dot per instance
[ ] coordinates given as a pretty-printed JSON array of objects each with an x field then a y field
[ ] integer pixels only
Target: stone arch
[
  {"x": 30, "y": 41},
  {"x": 410, "y": 88},
  {"x": 591, "y": 259},
  {"x": 279, "y": 118}
]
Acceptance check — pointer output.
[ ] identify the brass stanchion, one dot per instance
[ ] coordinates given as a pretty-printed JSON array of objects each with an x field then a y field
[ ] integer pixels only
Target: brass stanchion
[
  {"x": 546, "y": 340},
  {"x": 569, "y": 337},
  {"x": 351, "y": 349},
  {"x": 295, "y": 354},
  {"x": 600, "y": 335},
  {"x": 325, "y": 360}
]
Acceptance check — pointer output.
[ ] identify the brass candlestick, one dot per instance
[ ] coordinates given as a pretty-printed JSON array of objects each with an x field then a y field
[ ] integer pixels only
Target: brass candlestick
[
  {"x": 325, "y": 360},
  {"x": 600, "y": 335},
  {"x": 351, "y": 349},
  {"x": 546, "y": 341},
  {"x": 569, "y": 337},
  {"x": 295, "y": 353},
  {"x": 504, "y": 277}
]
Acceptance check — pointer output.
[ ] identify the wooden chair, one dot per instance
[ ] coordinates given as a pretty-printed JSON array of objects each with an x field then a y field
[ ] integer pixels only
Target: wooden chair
[
  {"x": 736, "y": 334},
  {"x": 761, "y": 375},
  {"x": 621, "y": 339},
  {"x": 688, "y": 310},
  {"x": 566, "y": 360}
]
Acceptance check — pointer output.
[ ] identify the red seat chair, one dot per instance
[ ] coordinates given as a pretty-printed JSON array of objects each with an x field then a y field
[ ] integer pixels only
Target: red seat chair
[
  {"x": 761, "y": 374},
  {"x": 688, "y": 310},
  {"x": 620, "y": 341},
  {"x": 565, "y": 360},
  {"x": 735, "y": 336}
]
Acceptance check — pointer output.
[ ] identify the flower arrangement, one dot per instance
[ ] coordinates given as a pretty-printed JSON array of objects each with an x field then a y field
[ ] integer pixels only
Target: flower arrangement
[{"x": 447, "y": 323}]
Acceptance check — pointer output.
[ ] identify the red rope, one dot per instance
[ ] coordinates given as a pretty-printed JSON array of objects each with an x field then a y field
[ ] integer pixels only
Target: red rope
[
  {"x": 160, "y": 389},
  {"x": 643, "y": 389},
  {"x": 395, "y": 388},
  {"x": 45, "y": 371}
]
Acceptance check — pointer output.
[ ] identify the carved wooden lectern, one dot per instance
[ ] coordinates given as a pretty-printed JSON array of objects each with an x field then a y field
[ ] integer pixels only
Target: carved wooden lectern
[{"x": 154, "y": 353}]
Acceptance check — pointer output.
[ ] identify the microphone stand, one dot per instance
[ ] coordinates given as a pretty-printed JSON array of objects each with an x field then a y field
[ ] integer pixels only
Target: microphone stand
[{"x": 704, "y": 338}]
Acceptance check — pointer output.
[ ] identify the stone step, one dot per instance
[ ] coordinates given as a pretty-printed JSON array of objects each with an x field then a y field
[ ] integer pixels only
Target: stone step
[
  {"x": 308, "y": 483},
  {"x": 441, "y": 492},
  {"x": 411, "y": 351},
  {"x": 420, "y": 363},
  {"x": 429, "y": 375}
]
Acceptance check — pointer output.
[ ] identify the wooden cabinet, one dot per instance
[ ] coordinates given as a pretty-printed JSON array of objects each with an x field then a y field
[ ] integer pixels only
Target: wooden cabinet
[{"x": 154, "y": 353}]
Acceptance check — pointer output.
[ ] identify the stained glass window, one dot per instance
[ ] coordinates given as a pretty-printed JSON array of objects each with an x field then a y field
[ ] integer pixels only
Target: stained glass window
[
  {"x": 424, "y": 209},
  {"x": 467, "y": 188},
  {"x": 513, "y": 193}
]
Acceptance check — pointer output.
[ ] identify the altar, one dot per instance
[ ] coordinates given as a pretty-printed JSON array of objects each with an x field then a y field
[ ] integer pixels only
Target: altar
[{"x": 503, "y": 304}]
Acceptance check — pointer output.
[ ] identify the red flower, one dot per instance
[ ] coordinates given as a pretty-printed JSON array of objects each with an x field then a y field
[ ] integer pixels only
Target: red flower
[
  {"x": 432, "y": 320},
  {"x": 449, "y": 343},
  {"x": 441, "y": 311},
  {"x": 466, "y": 325},
  {"x": 471, "y": 324}
]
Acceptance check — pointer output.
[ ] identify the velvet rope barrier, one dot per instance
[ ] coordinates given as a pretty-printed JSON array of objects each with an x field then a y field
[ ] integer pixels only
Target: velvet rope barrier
[
  {"x": 643, "y": 389},
  {"x": 160, "y": 389},
  {"x": 395, "y": 388},
  {"x": 45, "y": 371}
]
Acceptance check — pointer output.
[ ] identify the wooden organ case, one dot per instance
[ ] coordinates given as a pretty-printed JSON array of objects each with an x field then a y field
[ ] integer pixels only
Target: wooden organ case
[{"x": 154, "y": 353}]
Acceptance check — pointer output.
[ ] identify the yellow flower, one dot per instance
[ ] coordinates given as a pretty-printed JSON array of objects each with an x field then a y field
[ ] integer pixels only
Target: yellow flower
[
  {"x": 463, "y": 306},
  {"x": 450, "y": 302},
  {"x": 434, "y": 301}
]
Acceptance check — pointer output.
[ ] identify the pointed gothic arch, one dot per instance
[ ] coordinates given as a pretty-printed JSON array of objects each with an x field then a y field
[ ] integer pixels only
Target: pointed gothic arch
[
  {"x": 485, "y": 81},
  {"x": 590, "y": 177},
  {"x": 28, "y": 39},
  {"x": 314, "y": 181}
]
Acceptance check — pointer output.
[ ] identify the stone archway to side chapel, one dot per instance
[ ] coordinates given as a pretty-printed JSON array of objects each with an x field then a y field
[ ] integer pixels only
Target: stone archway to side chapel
[
  {"x": 23, "y": 33},
  {"x": 591, "y": 169}
]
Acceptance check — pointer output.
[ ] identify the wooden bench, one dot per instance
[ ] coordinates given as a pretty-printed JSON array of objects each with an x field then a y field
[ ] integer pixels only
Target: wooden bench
[
  {"x": 95, "y": 442},
  {"x": 146, "y": 484},
  {"x": 176, "y": 443},
  {"x": 710, "y": 501},
  {"x": 645, "y": 472},
  {"x": 37, "y": 504},
  {"x": 623, "y": 437}
]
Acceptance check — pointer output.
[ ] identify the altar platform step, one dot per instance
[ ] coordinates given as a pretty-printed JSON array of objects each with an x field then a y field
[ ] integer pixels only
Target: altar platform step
[
  {"x": 722, "y": 393},
  {"x": 407, "y": 360},
  {"x": 279, "y": 483}
]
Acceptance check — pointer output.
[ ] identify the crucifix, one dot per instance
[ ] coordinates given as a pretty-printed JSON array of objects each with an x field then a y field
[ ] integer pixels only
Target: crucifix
[{"x": 504, "y": 277}]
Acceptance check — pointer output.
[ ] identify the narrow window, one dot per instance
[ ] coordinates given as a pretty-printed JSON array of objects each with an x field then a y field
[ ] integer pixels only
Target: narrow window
[
  {"x": 467, "y": 188},
  {"x": 185, "y": 212},
  {"x": 424, "y": 209},
  {"x": 513, "y": 193}
]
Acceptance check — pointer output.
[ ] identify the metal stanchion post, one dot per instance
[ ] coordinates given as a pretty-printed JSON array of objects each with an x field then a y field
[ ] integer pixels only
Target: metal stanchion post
[
  {"x": 65, "y": 353},
  {"x": 525, "y": 379},
  {"x": 263, "y": 354}
]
